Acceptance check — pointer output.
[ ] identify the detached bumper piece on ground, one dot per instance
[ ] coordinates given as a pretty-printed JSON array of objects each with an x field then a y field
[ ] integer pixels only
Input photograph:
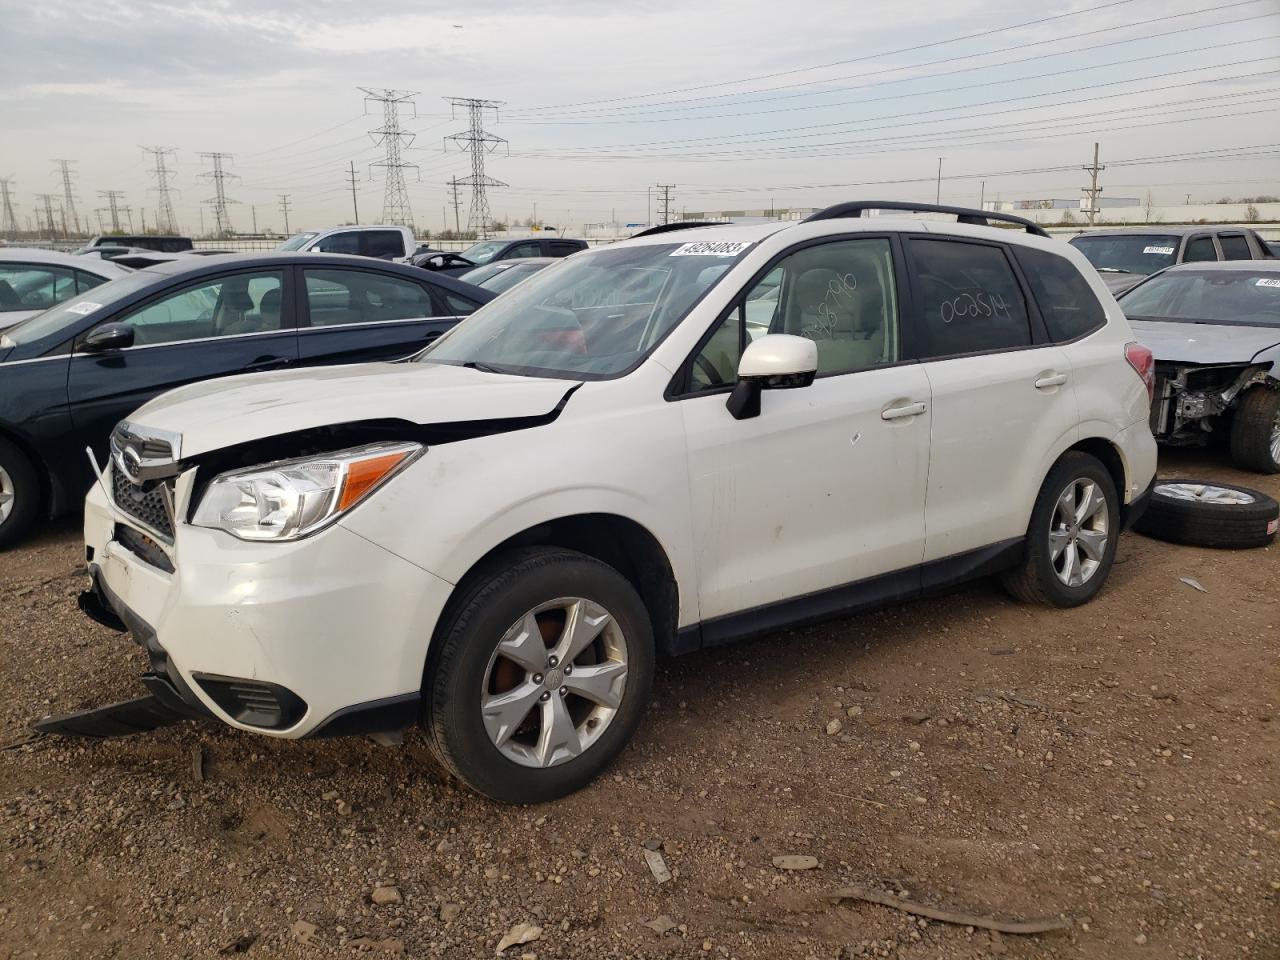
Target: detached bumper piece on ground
[{"x": 1203, "y": 513}]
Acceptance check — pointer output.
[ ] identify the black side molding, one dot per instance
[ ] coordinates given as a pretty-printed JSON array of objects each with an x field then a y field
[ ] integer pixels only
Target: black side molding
[
  {"x": 377, "y": 716},
  {"x": 115, "y": 720}
]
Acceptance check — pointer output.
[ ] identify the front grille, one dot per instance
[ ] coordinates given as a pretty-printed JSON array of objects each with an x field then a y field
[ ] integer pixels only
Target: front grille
[{"x": 143, "y": 503}]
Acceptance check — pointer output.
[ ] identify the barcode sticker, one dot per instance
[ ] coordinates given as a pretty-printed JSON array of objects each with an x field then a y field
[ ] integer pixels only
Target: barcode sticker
[{"x": 1166, "y": 251}]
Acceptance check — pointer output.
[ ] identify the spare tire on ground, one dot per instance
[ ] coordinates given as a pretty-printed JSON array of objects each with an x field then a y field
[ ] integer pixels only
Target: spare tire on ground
[{"x": 1206, "y": 513}]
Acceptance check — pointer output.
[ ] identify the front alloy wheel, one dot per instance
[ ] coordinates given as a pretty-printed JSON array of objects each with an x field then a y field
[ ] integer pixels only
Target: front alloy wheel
[
  {"x": 554, "y": 682},
  {"x": 539, "y": 674}
]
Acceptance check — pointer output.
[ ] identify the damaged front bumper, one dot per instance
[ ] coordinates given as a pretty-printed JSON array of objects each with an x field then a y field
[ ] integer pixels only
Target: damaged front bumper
[{"x": 1190, "y": 397}]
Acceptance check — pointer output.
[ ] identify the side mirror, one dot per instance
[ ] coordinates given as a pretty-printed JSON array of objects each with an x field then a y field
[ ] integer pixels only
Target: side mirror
[
  {"x": 776, "y": 361},
  {"x": 109, "y": 336}
]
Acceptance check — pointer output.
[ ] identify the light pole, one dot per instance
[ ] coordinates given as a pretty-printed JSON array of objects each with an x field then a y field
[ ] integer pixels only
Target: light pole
[{"x": 937, "y": 198}]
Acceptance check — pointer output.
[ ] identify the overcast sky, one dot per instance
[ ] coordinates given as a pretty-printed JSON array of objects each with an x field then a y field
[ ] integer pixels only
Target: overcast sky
[{"x": 739, "y": 105}]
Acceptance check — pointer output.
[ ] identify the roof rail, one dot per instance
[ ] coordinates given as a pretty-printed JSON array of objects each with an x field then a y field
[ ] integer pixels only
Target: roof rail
[
  {"x": 682, "y": 225},
  {"x": 962, "y": 214}
]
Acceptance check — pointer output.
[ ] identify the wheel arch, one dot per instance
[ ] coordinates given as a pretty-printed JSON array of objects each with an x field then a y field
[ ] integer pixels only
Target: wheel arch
[
  {"x": 623, "y": 543},
  {"x": 50, "y": 494}
]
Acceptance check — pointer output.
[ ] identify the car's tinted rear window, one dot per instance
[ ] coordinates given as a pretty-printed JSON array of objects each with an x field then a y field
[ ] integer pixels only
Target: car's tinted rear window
[{"x": 1067, "y": 302}]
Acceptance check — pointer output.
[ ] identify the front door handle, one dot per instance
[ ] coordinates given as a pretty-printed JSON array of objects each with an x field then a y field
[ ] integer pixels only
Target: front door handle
[
  {"x": 908, "y": 410},
  {"x": 1051, "y": 380}
]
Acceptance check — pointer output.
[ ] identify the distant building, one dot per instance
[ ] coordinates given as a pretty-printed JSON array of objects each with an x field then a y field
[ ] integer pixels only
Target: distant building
[{"x": 1014, "y": 206}]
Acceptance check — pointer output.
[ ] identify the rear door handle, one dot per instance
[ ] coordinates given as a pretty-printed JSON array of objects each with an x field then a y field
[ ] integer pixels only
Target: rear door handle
[
  {"x": 897, "y": 413},
  {"x": 1051, "y": 380}
]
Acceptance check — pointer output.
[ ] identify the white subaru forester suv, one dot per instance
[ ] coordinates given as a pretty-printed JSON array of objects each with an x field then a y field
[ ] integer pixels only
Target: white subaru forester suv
[{"x": 665, "y": 444}]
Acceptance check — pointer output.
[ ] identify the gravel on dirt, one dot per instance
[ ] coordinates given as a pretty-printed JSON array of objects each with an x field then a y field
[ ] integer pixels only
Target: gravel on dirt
[{"x": 1113, "y": 766}]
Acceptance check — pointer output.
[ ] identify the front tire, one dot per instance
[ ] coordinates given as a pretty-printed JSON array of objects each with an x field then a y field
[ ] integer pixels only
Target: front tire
[
  {"x": 1255, "y": 432},
  {"x": 1072, "y": 536},
  {"x": 19, "y": 494},
  {"x": 544, "y": 668}
]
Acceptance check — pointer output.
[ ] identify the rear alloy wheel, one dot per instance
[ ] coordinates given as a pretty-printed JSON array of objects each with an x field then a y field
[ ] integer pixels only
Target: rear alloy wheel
[
  {"x": 543, "y": 670},
  {"x": 1205, "y": 513},
  {"x": 19, "y": 494},
  {"x": 1071, "y": 539},
  {"x": 1255, "y": 431}
]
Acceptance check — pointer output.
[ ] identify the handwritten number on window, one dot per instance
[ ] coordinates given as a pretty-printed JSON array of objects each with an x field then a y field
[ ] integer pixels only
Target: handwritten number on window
[
  {"x": 978, "y": 305},
  {"x": 840, "y": 288}
]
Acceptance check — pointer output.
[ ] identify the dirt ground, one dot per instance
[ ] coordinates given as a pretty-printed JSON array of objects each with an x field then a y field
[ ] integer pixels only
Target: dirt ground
[{"x": 1113, "y": 765}]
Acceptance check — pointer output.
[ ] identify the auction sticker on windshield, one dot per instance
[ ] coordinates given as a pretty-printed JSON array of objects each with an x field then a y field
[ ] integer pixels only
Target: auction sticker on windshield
[
  {"x": 1267, "y": 282},
  {"x": 711, "y": 248},
  {"x": 1167, "y": 251},
  {"x": 84, "y": 307}
]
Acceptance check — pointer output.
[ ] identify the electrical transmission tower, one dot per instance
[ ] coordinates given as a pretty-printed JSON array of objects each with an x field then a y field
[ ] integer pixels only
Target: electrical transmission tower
[
  {"x": 284, "y": 208},
  {"x": 1093, "y": 189},
  {"x": 219, "y": 200},
  {"x": 478, "y": 142},
  {"x": 46, "y": 199},
  {"x": 70, "y": 219},
  {"x": 8, "y": 219},
  {"x": 166, "y": 222},
  {"x": 664, "y": 201},
  {"x": 113, "y": 198},
  {"x": 395, "y": 198}
]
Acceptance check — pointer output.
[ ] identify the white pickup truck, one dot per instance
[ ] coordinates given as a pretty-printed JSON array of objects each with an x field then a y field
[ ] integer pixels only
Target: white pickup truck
[{"x": 380, "y": 241}]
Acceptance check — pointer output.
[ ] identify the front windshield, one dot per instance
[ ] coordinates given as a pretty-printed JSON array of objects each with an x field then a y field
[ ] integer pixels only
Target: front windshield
[
  {"x": 1208, "y": 296},
  {"x": 483, "y": 252},
  {"x": 298, "y": 241},
  {"x": 1128, "y": 253},
  {"x": 71, "y": 312},
  {"x": 593, "y": 316}
]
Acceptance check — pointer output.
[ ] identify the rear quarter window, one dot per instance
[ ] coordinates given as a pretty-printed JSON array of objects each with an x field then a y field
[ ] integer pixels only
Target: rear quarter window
[{"x": 1067, "y": 303}]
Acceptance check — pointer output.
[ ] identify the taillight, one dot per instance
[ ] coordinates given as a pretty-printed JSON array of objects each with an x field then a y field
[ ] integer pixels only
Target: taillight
[{"x": 1144, "y": 365}]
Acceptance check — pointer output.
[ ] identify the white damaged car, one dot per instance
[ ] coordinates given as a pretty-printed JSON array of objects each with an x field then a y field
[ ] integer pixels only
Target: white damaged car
[{"x": 624, "y": 456}]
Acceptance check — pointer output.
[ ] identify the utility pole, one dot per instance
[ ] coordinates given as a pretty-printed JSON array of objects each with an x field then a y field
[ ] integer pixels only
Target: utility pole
[
  {"x": 166, "y": 222},
  {"x": 47, "y": 200},
  {"x": 937, "y": 199},
  {"x": 1093, "y": 189},
  {"x": 355, "y": 210},
  {"x": 142, "y": 215},
  {"x": 457, "y": 217},
  {"x": 69, "y": 216},
  {"x": 113, "y": 198},
  {"x": 478, "y": 142},
  {"x": 664, "y": 200},
  {"x": 219, "y": 200},
  {"x": 8, "y": 219},
  {"x": 284, "y": 208},
  {"x": 395, "y": 198},
  {"x": 982, "y": 196}
]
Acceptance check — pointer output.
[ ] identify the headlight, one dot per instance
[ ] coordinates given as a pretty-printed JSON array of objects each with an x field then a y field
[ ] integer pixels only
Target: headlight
[{"x": 293, "y": 498}]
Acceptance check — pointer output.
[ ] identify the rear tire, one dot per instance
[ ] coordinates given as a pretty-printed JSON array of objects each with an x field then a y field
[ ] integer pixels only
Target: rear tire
[
  {"x": 1039, "y": 577},
  {"x": 483, "y": 661},
  {"x": 1255, "y": 431},
  {"x": 19, "y": 494}
]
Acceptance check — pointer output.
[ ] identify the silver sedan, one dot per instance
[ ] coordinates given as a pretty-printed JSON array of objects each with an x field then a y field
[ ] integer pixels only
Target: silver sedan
[{"x": 34, "y": 280}]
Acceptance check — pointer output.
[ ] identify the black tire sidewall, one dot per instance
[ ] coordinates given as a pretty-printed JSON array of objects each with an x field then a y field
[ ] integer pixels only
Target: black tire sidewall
[
  {"x": 1217, "y": 525},
  {"x": 1075, "y": 466},
  {"x": 26, "y": 489},
  {"x": 458, "y": 674}
]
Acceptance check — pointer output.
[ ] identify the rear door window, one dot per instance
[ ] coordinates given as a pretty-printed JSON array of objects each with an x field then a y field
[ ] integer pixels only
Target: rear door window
[
  {"x": 339, "y": 297},
  {"x": 1200, "y": 249},
  {"x": 1234, "y": 246},
  {"x": 29, "y": 286},
  {"x": 1068, "y": 304},
  {"x": 969, "y": 299},
  {"x": 383, "y": 244},
  {"x": 531, "y": 249}
]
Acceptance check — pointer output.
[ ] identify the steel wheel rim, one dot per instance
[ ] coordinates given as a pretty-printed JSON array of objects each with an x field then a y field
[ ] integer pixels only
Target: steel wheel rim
[
  {"x": 1078, "y": 532},
  {"x": 6, "y": 495},
  {"x": 1204, "y": 493},
  {"x": 554, "y": 682}
]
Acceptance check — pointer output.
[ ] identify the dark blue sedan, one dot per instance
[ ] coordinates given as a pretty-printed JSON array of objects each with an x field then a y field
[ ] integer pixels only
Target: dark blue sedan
[{"x": 68, "y": 375}]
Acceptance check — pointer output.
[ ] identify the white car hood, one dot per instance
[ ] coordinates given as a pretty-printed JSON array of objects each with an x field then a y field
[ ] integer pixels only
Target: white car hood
[
  {"x": 218, "y": 413},
  {"x": 1204, "y": 342}
]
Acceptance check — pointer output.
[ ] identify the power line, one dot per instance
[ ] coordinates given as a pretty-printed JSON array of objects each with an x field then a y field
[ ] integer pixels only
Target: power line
[
  {"x": 219, "y": 200},
  {"x": 395, "y": 198},
  {"x": 166, "y": 222},
  {"x": 478, "y": 142},
  {"x": 68, "y": 199}
]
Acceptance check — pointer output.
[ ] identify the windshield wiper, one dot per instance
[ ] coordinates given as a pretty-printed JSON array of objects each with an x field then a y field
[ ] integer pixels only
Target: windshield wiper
[
  {"x": 483, "y": 367},
  {"x": 1113, "y": 270}
]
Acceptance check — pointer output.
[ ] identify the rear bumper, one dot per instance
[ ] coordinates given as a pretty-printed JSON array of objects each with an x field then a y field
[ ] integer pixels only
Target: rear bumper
[{"x": 1131, "y": 512}]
